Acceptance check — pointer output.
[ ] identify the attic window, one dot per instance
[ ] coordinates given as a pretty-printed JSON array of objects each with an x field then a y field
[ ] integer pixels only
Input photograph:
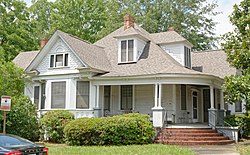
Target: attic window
[
  {"x": 187, "y": 56},
  {"x": 126, "y": 51},
  {"x": 59, "y": 60}
]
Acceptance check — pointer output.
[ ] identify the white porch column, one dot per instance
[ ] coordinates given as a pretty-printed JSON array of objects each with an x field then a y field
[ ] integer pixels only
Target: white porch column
[
  {"x": 156, "y": 95},
  {"x": 97, "y": 108},
  {"x": 157, "y": 110},
  {"x": 222, "y": 111},
  {"x": 211, "y": 97},
  {"x": 159, "y": 95},
  {"x": 212, "y": 112}
]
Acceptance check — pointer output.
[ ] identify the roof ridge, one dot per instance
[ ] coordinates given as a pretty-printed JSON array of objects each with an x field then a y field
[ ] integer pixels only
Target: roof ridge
[{"x": 73, "y": 36}]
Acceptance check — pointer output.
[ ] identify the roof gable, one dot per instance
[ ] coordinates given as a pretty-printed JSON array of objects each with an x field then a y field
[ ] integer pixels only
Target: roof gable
[{"x": 85, "y": 52}]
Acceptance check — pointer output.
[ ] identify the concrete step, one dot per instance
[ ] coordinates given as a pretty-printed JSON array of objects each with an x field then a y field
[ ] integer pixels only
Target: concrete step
[
  {"x": 207, "y": 142},
  {"x": 190, "y": 134},
  {"x": 185, "y": 138},
  {"x": 190, "y": 131}
]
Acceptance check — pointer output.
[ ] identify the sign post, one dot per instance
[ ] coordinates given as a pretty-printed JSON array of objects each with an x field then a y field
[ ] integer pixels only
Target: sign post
[{"x": 5, "y": 106}]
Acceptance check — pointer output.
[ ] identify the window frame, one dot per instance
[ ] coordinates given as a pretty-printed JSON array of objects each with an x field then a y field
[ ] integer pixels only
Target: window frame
[
  {"x": 53, "y": 57},
  {"x": 240, "y": 107},
  {"x": 120, "y": 98},
  {"x": 88, "y": 105},
  {"x": 65, "y": 95},
  {"x": 39, "y": 96},
  {"x": 187, "y": 57},
  {"x": 127, "y": 51}
]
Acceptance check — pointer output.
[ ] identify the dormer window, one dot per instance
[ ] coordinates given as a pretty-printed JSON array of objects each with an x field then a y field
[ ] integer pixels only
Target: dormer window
[
  {"x": 187, "y": 57},
  {"x": 127, "y": 51},
  {"x": 59, "y": 60}
]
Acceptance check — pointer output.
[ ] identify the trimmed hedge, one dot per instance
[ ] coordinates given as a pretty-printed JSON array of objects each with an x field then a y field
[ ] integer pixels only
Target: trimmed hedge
[
  {"x": 53, "y": 123},
  {"x": 117, "y": 130},
  {"x": 240, "y": 120}
]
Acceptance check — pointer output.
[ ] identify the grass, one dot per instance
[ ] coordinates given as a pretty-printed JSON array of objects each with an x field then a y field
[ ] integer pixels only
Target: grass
[
  {"x": 244, "y": 147},
  {"x": 152, "y": 149}
]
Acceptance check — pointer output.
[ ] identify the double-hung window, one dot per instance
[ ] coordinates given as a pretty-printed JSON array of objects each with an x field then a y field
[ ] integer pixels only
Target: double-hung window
[
  {"x": 58, "y": 94},
  {"x": 82, "y": 95},
  {"x": 127, "y": 51},
  {"x": 126, "y": 97},
  {"x": 238, "y": 106},
  {"x": 187, "y": 56},
  {"x": 59, "y": 60}
]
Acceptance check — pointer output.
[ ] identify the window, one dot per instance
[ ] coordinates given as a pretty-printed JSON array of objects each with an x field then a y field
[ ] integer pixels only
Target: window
[
  {"x": 59, "y": 60},
  {"x": 238, "y": 106},
  {"x": 127, "y": 51},
  {"x": 183, "y": 97},
  {"x": 43, "y": 95},
  {"x": 187, "y": 57},
  {"x": 107, "y": 98},
  {"x": 58, "y": 94},
  {"x": 36, "y": 96},
  {"x": 126, "y": 97},
  {"x": 82, "y": 95}
]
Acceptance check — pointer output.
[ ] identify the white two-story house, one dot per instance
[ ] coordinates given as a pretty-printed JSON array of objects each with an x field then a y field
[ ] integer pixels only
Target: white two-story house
[{"x": 129, "y": 70}]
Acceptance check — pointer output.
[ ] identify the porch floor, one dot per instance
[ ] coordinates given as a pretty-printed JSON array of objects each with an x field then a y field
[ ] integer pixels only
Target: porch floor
[{"x": 189, "y": 125}]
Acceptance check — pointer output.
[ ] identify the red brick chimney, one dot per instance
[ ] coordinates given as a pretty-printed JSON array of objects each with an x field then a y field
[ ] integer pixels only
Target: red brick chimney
[
  {"x": 43, "y": 42},
  {"x": 128, "y": 21},
  {"x": 171, "y": 29}
]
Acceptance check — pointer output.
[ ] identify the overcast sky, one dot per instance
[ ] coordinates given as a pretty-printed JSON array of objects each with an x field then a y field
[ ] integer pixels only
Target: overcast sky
[{"x": 225, "y": 7}]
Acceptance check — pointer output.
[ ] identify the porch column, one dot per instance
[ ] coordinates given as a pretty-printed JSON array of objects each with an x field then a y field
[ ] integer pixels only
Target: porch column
[
  {"x": 157, "y": 110},
  {"x": 222, "y": 111},
  {"x": 97, "y": 108},
  {"x": 212, "y": 112}
]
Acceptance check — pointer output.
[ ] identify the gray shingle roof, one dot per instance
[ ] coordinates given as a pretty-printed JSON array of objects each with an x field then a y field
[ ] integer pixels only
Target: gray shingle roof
[
  {"x": 92, "y": 55},
  {"x": 213, "y": 62},
  {"x": 167, "y": 37},
  {"x": 134, "y": 32},
  {"x": 24, "y": 59},
  {"x": 154, "y": 60}
]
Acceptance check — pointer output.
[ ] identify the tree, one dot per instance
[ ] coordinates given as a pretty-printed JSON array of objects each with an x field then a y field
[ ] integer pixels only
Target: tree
[
  {"x": 16, "y": 31},
  {"x": 92, "y": 20},
  {"x": 192, "y": 18},
  {"x": 237, "y": 48}
]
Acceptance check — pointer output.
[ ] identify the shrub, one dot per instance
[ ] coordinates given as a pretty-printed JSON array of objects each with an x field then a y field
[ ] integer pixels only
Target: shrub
[
  {"x": 53, "y": 123},
  {"x": 118, "y": 130},
  {"x": 240, "y": 120},
  {"x": 22, "y": 119}
]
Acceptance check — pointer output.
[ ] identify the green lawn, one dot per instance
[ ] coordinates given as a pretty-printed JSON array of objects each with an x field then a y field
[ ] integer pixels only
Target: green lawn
[
  {"x": 244, "y": 149},
  {"x": 152, "y": 149}
]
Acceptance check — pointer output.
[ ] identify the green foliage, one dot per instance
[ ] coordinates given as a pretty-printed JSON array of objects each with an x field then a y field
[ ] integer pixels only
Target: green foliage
[
  {"x": 11, "y": 79},
  {"x": 240, "y": 120},
  {"x": 237, "y": 48},
  {"x": 16, "y": 31},
  {"x": 53, "y": 123},
  {"x": 92, "y": 20},
  {"x": 118, "y": 130},
  {"x": 22, "y": 119}
]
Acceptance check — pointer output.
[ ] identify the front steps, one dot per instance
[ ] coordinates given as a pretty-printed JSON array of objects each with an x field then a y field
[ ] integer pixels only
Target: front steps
[{"x": 192, "y": 136}]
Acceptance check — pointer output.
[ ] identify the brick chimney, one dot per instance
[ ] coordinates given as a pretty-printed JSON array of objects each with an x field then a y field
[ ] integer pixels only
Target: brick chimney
[
  {"x": 128, "y": 21},
  {"x": 43, "y": 42},
  {"x": 171, "y": 29}
]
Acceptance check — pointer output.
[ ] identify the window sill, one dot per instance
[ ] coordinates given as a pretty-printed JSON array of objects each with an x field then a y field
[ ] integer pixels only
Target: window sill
[
  {"x": 62, "y": 67},
  {"x": 130, "y": 62}
]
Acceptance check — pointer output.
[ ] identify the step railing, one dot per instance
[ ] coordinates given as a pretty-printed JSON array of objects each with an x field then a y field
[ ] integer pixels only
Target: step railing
[{"x": 225, "y": 122}]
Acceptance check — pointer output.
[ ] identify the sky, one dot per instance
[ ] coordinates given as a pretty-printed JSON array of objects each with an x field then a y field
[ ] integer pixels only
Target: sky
[{"x": 225, "y": 7}]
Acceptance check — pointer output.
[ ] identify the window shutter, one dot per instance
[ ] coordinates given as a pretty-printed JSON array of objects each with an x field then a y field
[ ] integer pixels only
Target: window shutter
[{"x": 52, "y": 61}]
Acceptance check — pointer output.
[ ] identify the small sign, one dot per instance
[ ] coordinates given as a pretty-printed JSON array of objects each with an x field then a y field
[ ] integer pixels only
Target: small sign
[{"x": 5, "y": 103}]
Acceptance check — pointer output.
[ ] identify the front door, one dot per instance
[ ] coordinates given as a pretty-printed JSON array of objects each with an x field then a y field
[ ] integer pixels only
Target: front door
[{"x": 195, "y": 106}]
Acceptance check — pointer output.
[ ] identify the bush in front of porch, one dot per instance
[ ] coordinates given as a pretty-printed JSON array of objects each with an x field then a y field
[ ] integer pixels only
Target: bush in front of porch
[
  {"x": 124, "y": 129},
  {"x": 53, "y": 123},
  {"x": 241, "y": 120}
]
